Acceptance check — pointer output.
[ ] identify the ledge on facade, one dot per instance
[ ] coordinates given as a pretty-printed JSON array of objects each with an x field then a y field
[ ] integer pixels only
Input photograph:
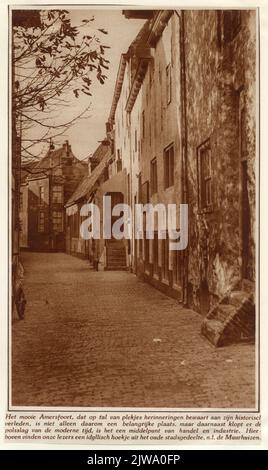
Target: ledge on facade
[
  {"x": 143, "y": 50},
  {"x": 26, "y": 20},
  {"x": 118, "y": 86},
  {"x": 138, "y": 14},
  {"x": 158, "y": 26},
  {"x": 87, "y": 184},
  {"x": 137, "y": 82}
]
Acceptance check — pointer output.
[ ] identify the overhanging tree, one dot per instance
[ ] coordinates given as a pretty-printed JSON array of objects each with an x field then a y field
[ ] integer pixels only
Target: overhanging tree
[{"x": 51, "y": 58}]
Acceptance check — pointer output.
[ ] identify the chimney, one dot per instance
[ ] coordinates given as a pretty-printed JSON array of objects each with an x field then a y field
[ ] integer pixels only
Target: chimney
[
  {"x": 89, "y": 166},
  {"x": 67, "y": 148},
  {"x": 108, "y": 127},
  {"x": 51, "y": 145}
]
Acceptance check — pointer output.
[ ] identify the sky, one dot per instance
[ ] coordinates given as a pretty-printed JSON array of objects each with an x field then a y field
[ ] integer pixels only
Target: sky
[{"x": 84, "y": 136}]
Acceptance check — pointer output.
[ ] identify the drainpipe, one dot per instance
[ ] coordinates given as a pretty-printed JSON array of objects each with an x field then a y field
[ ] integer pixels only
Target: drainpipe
[
  {"x": 184, "y": 148},
  {"x": 50, "y": 214},
  {"x": 131, "y": 243}
]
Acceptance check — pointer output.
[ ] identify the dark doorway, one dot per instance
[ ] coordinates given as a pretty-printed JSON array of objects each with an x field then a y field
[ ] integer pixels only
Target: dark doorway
[
  {"x": 116, "y": 198},
  {"x": 204, "y": 298}
]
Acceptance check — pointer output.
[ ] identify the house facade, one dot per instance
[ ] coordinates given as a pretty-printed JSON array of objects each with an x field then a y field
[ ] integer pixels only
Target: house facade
[
  {"x": 43, "y": 195},
  {"x": 76, "y": 243},
  {"x": 144, "y": 130},
  {"x": 156, "y": 120},
  {"x": 220, "y": 49},
  {"x": 182, "y": 130}
]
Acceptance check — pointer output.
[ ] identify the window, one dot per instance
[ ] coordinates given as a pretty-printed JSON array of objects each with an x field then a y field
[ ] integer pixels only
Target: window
[
  {"x": 162, "y": 114},
  {"x": 155, "y": 119},
  {"x": 76, "y": 225},
  {"x": 57, "y": 221},
  {"x": 155, "y": 253},
  {"x": 41, "y": 194},
  {"x": 57, "y": 194},
  {"x": 128, "y": 189},
  {"x": 177, "y": 267},
  {"x": 169, "y": 166},
  {"x": 153, "y": 176},
  {"x": 151, "y": 74},
  {"x": 106, "y": 173},
  {"x": 143, "y": 124},
  {"x": 146, "y": 251},
  {"x": 119, "y": 161},
  {"x": 168, "y": 81},
  {"x": 119, "y": 165},
  {"x": 41, "y": 222},
  {"x": 231, "y": 24},
  {"x": 145, "y": 192},
  {"x": 165, "y": 258},
  {"x": 139, "y": 189},
  {"x": 21, "y": 201},
  {"x": 204, "y": 175}
]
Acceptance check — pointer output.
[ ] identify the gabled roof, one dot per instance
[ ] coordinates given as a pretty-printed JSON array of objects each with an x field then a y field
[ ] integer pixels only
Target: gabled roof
[
  {"x": 27, "y": 170},
  {"x": 141, "y": 36},
  {"x": 118, "y": 86},
  {"x": 99, "y": 152},
  {"x": 138, "y": 14},
  {"x": 88, "y": 182},
  {"x": 53, "y": 157}
]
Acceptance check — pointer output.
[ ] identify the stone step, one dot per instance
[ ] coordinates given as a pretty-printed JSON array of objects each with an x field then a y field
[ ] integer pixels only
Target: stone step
[
  {"x": 116, "y": 258},
  {"x": 116, "y": 255},
  {"x": 116, "y": 268},
  {"x": 238, "y": 298},
  {"x": 247, "y": 286},
  {"x": 223, "y": 311},
  {"x": 212, "y": 330},
  {"x": 232, "y": 320},
  {"x": 116, "y": 262},
  {"x": 115, "y": 244},
  {"x": 116, "y": 251}
]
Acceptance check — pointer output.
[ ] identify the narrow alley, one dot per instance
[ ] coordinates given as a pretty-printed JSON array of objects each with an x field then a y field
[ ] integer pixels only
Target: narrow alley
[{"x": 106, "y": 339}]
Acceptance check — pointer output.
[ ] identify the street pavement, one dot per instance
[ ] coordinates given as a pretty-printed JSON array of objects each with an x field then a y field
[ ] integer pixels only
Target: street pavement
[{"x": 107, "y": 339}]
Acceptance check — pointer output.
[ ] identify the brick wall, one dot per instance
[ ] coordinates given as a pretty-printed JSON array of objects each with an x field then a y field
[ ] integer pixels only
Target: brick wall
[{"x": 216, "y": 74}]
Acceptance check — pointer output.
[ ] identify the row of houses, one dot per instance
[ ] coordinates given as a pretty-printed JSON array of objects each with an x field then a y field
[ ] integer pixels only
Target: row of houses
[
  {"x": 45, "y": 188},
  {"x": 181, "y": 129}
]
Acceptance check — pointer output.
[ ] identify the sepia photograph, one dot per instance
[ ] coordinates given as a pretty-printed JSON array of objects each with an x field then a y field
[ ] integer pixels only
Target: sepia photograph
[{"x": 133, "y": 182}]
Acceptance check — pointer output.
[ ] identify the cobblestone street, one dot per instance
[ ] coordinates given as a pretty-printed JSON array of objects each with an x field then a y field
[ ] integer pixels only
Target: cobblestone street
[{"x": 106, "y": 339}]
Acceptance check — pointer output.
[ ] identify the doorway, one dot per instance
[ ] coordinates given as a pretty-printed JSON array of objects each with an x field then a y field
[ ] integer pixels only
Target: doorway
[{"x": 116, "y": 198}]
